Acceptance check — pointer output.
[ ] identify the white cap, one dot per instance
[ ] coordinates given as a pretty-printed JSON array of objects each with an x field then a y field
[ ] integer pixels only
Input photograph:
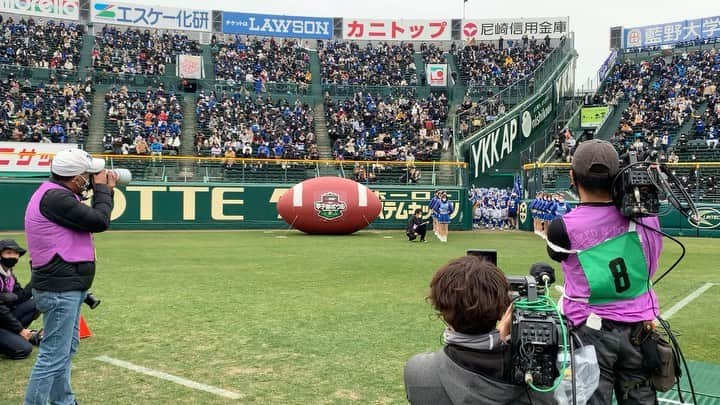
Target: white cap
[{"x": 73, "y": 162}]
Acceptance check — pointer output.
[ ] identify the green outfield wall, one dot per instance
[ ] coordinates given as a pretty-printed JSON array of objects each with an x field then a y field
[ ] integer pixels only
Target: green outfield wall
[{"x": 223, "y": 205}]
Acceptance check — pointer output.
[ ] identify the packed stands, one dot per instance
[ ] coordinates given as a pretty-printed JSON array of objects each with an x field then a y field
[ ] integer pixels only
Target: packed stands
[
  {"x": 54, "y": 45},
  {"x": 44, "y": 112},
  {"x": 142, "y": 122},
  {"x": 261, "y": 60},
  {"x": 254, "y": 127},
  {"x": 484, "y": 64},
  {"x": 376, "y": 128},
  {"x": 139, "y": 52},
  {"x": 384, "y": 64}
]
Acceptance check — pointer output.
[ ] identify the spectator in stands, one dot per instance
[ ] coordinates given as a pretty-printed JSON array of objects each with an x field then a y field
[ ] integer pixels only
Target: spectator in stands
[
  {"x": 156, "y": 149},
  {"x": 229, "y": 158},
  {"x": 17, "y": 307},
  {"x": 471, "y": 295}
]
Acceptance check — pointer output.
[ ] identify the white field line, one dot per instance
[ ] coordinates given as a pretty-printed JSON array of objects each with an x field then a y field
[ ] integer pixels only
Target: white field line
[
  {"x": 680, "y": 305},
  {"x": 671, "y": 401},
  {"x": 169, "y": 377}
]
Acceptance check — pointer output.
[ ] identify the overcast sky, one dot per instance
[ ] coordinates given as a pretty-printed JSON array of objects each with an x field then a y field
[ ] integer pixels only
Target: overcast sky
[{"x": 590, "y": 20}]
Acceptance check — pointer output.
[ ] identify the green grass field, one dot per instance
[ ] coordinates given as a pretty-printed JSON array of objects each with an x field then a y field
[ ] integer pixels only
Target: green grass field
[{"x": 286, "y": 318}]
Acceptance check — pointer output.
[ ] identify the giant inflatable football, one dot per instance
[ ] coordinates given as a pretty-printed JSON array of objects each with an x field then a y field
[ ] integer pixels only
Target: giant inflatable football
[{"x": 329, "y": 205}]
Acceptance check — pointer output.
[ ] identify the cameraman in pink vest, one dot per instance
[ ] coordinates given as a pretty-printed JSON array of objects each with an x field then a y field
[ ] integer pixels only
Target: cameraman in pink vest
[{"x": 59, "y": 229}]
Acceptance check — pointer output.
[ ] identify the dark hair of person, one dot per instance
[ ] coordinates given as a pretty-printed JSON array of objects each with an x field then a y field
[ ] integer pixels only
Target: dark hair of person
[
  {"x": 60, "y": 178},
  {"x": 471, "y": 294},
  {"x": 593, "y": 183},
  {"x": 418, "y": 211}
]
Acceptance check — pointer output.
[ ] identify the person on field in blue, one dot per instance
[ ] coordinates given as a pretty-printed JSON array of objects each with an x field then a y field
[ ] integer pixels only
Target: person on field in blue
[
  {"x": 433, "y": 204},
  {"x": 560, "y": 208},
  {"x": 444, "y": 208}
]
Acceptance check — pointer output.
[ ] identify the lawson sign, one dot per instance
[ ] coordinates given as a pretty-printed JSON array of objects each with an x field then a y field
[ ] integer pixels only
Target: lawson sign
[{"x": 277, "y": 25}]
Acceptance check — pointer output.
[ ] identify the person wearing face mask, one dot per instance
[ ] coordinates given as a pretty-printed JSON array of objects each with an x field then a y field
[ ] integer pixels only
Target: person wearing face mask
[
  {"x": 17, "y": 307},
  {"x": 59, "y": 228}
]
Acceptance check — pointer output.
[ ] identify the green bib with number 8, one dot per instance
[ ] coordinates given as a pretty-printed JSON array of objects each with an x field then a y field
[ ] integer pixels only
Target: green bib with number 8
[{"x": 616, "y": 269}]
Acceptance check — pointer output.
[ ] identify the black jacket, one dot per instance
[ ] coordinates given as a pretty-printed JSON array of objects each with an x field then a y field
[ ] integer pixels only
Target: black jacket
[
  {"x": 61, "y": 207},
  {"x": 8, "y": 301}
]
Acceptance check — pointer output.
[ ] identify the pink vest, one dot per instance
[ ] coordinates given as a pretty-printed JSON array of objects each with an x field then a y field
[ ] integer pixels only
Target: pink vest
[{"x": 45, "y": 239}]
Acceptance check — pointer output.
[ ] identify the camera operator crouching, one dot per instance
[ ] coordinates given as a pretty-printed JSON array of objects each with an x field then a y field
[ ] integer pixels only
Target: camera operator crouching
[
  {"x": 607, "y": 263},
  {"x": 474, "y": 366}
]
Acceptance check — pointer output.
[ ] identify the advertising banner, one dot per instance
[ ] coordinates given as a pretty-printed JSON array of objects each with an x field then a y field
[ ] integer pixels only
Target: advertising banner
[
  {"x": 190, "y": 67},
  {"x": 397, "y": 30},
  {"x": 169, "y": 18},
  {"x": 28, "y": 158},
  {"x": 67, "y": 9},
  {"x": 593, "y": 116},
  {"x": 436, "y": 74},
  {"x": 499, "y": 144},
  {"x": 277, "y": 25},
  {"x": 225, "y": 206},
  {"x": 515, "y": 28},
  {"x": 607, "y": 66},
  {"x": 670, "y": 33}
]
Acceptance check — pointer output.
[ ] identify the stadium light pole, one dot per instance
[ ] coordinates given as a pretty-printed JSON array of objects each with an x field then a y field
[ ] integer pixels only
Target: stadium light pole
[{"x": 463, "y": 8}]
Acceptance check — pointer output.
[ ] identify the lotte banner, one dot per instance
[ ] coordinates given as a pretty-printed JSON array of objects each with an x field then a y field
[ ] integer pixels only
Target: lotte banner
[
  {"x": 396, "y": 30},
  {"x": 515, "y": 28}
]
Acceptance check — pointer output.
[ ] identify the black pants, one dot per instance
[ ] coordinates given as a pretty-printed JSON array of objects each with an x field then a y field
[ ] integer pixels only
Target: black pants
[
  {"x": 420, "y": 230},
  {"x": 621, "y": 365},
  {"x": 12, "y": 344}
]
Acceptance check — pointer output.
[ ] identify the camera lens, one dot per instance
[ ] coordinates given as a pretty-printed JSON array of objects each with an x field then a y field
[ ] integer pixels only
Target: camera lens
[{"x": 92, "y": 301}]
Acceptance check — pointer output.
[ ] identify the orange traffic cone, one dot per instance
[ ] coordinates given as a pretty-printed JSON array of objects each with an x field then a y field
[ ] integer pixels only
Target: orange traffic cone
[{"x": 84, "y": 329}]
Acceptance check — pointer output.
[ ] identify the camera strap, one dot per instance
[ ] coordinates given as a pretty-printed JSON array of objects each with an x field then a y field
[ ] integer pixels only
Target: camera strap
[{"x": 615, "y": 269}]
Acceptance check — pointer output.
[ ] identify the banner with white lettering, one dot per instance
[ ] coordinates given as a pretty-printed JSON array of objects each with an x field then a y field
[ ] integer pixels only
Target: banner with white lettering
[
  {"x": 515, "y": 28},
  {"x": 169, "y": 18},
  {"x": 67, "y": 9},
  {"x": 670, "y": 33},
  {"x": 436, "y": 74},
  {"x": 397, "y": 30},
  {"x": 277, "y": 25},
  {"x": 190, "y": 67},
  {"x": 506, "y": 136},
  {"x": 29, "y": 157}
]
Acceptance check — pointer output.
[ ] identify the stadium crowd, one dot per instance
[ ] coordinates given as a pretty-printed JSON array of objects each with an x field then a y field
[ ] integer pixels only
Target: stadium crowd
[
  {"x": 142, "y": 52},
  {"x": 484, "y": 64},
  {"x": 239, "y": 125},
  {"x": 142, "y": 123},
  {"x": 385, "y": 128},
  {"x": 54, "y": 45},
  {"x": 383, "y": 64},
  {"x": 260, "y": 61},
  {"x": 47, "y": 112},
  {"x": 663, "y": 95}
]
